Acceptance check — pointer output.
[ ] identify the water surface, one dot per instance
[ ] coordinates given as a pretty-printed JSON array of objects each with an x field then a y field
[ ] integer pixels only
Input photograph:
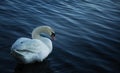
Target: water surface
[{"x": 87, "y": 34}]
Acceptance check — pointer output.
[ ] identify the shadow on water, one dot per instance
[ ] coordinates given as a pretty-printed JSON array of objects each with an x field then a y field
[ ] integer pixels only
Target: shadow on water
[{"x": 37, "y": 67}]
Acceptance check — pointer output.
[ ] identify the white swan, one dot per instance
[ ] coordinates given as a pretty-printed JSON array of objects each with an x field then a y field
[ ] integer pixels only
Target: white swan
[{"x": 36, "y": 49}]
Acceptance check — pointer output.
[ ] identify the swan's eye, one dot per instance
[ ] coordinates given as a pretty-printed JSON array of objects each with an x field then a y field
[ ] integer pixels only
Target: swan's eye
[{"x": 53, "y": 34}]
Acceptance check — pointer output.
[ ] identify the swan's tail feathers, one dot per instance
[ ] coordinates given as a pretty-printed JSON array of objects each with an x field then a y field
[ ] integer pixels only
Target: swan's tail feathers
[
  {"x": 24, "y": 50},
  {"x": 16, "y": 54}
]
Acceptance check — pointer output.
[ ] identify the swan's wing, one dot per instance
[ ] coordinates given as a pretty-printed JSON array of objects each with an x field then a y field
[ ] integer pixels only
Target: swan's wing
[
  {"x": 30, "y": 49},
  {"x": 18, "y": 43},
  {"x": 26, "y": 45},
  {"x": 20, "y": 50}
]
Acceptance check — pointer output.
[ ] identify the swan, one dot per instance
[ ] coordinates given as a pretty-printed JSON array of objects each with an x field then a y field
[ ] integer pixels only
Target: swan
[{"x": 29, "y": 50}]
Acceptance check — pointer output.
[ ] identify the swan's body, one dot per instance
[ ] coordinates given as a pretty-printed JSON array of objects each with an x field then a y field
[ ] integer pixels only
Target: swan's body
[{"x": 36, "y": 49}]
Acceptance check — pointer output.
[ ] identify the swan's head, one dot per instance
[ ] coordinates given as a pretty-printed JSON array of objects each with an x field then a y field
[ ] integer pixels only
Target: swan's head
[{"x": 43, "y": 29}]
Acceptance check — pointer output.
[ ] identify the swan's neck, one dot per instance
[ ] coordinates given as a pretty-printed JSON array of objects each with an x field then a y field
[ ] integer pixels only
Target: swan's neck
[{"x": 37, "y": 31}]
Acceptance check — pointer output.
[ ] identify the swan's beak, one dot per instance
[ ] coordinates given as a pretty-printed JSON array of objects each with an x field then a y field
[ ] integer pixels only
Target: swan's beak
[{"x": 53, "y": 36}]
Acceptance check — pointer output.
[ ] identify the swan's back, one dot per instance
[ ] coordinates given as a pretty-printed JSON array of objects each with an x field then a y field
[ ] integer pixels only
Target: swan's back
[{"x": 30, "y": 50}]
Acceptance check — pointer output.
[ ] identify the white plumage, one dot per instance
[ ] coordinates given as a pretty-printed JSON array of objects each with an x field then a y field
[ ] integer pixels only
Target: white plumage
[{"x": 37, "y": 49}]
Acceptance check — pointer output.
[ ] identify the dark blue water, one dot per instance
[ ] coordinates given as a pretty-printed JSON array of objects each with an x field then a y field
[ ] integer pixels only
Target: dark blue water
[{"x": 87, "y": 34}]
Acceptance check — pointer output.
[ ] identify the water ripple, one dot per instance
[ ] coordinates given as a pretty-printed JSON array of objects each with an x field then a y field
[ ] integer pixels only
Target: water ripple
[{"x": 87, "y": 32}]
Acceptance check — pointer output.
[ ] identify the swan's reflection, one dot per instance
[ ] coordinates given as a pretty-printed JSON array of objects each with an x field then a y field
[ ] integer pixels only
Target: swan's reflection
[{"x": 37, "y": 67}]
